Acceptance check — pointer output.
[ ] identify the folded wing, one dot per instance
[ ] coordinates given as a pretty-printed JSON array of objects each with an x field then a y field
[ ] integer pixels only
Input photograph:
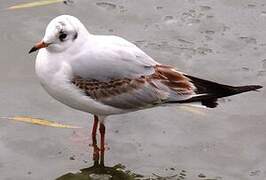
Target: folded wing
[{"x": 165, "y": 85}]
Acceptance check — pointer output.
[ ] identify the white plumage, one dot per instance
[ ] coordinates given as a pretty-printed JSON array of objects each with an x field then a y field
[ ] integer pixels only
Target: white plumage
[{"x": 106, "y": 75}]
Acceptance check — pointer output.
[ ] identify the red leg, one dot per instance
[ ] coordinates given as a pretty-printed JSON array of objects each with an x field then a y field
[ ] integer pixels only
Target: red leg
[
  {"x": 94, "y": 141},
  {"x": 102, "y": 132}
]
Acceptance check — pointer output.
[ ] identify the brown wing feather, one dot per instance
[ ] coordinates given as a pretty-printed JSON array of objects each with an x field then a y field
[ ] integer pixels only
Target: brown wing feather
[
  {"x": 164, "y": 74},
  {"x": 99, "y": 89},
  {"x": 174, "y": 80},
  {"x": 165, "y": 85}
]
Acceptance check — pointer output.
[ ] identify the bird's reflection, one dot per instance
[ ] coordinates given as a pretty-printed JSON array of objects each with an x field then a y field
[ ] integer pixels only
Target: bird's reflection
[
  {"x": 98, "y": 172},
  {"x": 119, "y": 172}
]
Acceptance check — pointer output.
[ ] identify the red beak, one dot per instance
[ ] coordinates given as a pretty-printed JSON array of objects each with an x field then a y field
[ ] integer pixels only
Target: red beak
[{"x": 38, "y": 46}]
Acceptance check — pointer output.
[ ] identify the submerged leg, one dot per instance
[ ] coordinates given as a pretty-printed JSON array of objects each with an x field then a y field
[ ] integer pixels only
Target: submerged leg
[
  {"x": 94, "y": 141},
  {"x": 102, "y": 132}
]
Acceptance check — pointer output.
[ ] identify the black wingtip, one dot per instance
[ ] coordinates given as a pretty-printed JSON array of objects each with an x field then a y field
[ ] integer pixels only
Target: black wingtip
[
  {"x": 241, "y": 89},
  {"x": 258, "y": 87}
]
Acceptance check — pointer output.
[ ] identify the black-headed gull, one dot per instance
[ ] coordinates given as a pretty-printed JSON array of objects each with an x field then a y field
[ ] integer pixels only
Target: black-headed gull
[{"x": 106, "y": 75}]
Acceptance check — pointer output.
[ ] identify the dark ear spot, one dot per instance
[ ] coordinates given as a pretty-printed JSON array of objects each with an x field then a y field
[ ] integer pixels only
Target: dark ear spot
[{"x": 75, "y": 36}]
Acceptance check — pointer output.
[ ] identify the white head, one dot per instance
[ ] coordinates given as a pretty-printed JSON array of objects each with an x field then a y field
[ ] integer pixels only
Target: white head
[{"x": 61, "y": 33}]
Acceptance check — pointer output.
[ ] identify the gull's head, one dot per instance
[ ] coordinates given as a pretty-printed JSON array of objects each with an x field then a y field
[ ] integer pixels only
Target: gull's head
[{"x": 61, "y": 33}]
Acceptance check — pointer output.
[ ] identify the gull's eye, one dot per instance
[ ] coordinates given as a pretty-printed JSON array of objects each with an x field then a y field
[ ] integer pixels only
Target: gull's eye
[{"x": 62, "y": 36}]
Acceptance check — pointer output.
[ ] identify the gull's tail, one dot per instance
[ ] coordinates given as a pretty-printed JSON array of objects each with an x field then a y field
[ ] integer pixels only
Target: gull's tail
[{"x": 208, "y": 92}]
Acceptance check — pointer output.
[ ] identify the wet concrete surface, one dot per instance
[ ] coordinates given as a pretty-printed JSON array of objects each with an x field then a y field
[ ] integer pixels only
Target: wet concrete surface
[{"x": 222, "y": 41}]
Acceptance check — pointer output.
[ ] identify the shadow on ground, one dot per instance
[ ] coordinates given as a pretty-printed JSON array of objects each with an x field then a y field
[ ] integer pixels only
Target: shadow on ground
[{"x": 119, "y": 172}]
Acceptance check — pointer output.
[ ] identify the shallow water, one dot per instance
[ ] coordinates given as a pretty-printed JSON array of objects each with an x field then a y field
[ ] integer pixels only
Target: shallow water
[{"x": 222, "y": 41}]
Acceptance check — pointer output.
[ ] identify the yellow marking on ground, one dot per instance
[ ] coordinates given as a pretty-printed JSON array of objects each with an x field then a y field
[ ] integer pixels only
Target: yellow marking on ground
[
  {"x": 38, "y": 121},
  {"x": 33, "y": 4}
]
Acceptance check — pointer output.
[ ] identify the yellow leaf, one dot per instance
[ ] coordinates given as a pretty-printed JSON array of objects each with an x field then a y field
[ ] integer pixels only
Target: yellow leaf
[
  {"x": 39, "y": 121},
  {"x": 34, "y": 4}
]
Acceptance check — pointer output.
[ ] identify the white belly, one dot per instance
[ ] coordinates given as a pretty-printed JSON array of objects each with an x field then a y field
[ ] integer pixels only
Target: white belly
[{"x": 71, "y": 96}]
